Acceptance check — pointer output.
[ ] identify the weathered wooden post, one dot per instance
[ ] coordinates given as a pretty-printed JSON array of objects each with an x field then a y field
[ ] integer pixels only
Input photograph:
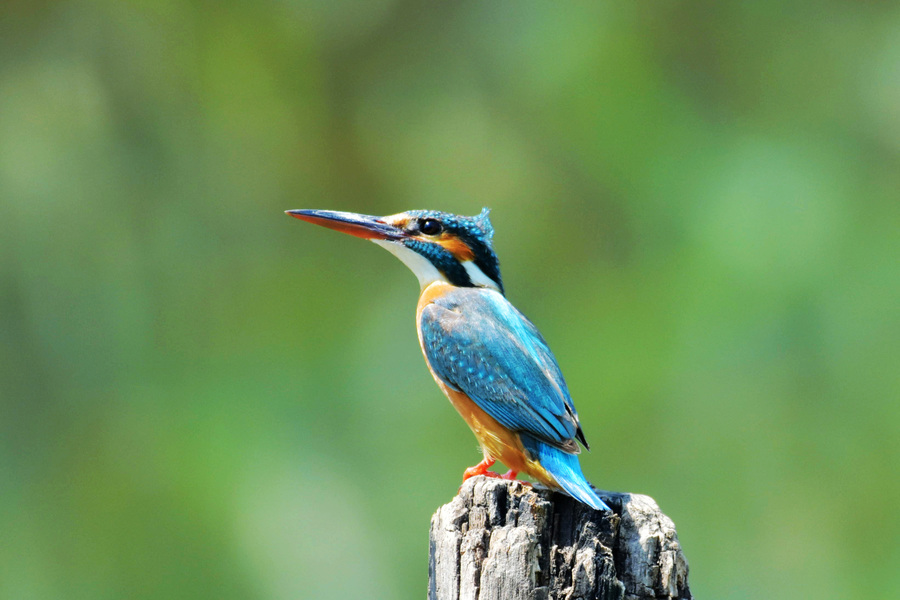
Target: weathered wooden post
[{"x": 503, "y": 540}]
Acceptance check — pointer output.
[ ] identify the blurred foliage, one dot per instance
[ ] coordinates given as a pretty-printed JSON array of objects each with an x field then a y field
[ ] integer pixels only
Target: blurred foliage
[{"x": 697, "y": 203}]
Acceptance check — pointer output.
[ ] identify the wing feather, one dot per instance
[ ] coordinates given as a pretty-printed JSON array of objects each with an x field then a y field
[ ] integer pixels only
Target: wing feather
[{"x": 478, "y": 343}]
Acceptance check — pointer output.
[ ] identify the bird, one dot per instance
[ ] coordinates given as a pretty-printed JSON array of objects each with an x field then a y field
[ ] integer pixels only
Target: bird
[{"x": 487, "y": 357}]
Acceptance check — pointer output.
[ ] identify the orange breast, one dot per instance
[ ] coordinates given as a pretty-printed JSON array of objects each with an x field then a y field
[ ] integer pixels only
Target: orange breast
[{"x": 498, "y": 441}]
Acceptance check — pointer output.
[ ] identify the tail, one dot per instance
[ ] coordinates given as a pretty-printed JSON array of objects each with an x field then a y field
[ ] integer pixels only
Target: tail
[{"x": 566, "y": 470}]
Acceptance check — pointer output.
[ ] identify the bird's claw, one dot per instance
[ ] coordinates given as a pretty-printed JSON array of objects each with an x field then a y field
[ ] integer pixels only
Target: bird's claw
[{"x": 480, "y": 469}]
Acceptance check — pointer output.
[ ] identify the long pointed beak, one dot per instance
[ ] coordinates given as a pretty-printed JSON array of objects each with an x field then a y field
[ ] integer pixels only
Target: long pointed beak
[{"x": 362, "y": 226}]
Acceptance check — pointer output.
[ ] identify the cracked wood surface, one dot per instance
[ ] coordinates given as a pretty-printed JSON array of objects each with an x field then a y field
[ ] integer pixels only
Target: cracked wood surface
[{"x": 502, "y": 540}]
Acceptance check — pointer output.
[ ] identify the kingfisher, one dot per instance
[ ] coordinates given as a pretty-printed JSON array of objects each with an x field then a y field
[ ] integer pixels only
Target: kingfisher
[{"x": 486, "y": 356}]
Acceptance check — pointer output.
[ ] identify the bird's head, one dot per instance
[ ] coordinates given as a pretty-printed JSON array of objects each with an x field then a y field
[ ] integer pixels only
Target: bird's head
[{"x": 436, "y": 246}]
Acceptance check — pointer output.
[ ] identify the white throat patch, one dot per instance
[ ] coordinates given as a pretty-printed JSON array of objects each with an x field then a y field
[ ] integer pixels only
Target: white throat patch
[{"x": 418, "y": 264}]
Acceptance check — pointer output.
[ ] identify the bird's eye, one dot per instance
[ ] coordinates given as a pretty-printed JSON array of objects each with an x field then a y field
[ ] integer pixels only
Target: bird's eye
[{"x": 430, "y": 226}]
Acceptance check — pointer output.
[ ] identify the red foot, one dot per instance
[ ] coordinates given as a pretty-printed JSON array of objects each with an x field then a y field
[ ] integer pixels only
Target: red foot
[{"x": 480, "y": 469}]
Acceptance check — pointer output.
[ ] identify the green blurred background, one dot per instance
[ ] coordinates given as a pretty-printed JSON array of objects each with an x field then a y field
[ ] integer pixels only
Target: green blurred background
[{"x": 697, "y": 204}]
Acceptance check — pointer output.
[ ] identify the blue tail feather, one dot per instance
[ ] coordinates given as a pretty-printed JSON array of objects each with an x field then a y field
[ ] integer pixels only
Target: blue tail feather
[{"x": 566, "y": 470}]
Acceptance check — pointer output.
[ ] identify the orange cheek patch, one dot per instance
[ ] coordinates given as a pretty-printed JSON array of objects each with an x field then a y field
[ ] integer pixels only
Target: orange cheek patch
[
  {"x": 457, "y": 248},
  {"x": 399, "y": 221}
]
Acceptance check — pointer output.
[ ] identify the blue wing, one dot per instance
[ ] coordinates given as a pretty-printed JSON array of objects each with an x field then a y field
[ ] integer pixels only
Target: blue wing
[{"x": 478, "y": 343}]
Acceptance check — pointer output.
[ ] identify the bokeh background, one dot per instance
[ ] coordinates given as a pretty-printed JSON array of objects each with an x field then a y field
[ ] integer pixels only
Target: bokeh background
[{"x": 697, "y": 203}]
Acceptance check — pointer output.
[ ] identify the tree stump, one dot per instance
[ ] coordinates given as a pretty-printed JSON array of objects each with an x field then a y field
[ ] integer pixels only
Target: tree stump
[{"x": 504, "y": 540}]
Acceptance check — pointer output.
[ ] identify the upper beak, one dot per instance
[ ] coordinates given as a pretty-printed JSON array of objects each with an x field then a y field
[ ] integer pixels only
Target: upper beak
[{"x": 363, "y": 226}]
